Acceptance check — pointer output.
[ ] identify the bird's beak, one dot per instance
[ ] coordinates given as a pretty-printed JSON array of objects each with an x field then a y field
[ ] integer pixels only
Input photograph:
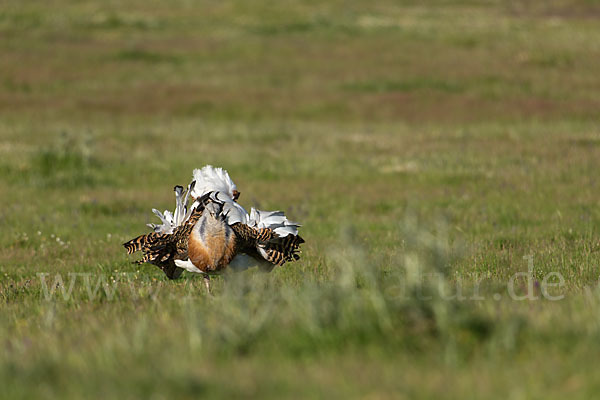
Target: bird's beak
[{"x": 236, "y": 195}]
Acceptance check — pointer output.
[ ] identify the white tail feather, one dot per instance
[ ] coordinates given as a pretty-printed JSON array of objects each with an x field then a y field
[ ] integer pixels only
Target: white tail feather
[{"x": 210, "y": 179}]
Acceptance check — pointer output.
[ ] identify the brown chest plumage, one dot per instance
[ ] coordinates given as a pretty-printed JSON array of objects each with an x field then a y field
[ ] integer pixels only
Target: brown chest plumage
[{"x": 212, "y": 244}]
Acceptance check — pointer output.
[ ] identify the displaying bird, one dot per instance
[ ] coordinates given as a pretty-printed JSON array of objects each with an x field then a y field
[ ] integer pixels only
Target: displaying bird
[
  {"x": 204, "y": 180},
  {"x": 216, "y": 232}
]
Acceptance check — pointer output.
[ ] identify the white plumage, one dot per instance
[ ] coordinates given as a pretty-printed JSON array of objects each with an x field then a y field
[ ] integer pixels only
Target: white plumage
[
  {"x": 169, "y": 220},
  {"x": 275, "y": 220},
  {"x": 209, "y": 179},
  {"x": 232, "y": 210},
  {"x": 223, "y": 191}
]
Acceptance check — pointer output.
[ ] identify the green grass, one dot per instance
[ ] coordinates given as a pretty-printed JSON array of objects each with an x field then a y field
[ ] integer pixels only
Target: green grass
[{"x": 452, "y": 138}]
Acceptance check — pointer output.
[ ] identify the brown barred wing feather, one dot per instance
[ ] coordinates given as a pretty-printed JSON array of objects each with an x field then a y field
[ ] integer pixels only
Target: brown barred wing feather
[
  {"x": 141, "y": 242},
  {"x": 280, "y": 250},
  {"x": 162, "y": 249},
  {"x": 266, "y": 243}
]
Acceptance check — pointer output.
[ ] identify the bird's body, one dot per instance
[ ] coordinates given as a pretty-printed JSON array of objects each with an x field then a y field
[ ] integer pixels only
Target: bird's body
[
  {"x": 211, "y": 244},
  {"x": 216, "y": 232}
]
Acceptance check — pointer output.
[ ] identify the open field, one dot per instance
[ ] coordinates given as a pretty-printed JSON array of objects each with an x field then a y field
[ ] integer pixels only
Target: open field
[{"x": 445, "y": 139}]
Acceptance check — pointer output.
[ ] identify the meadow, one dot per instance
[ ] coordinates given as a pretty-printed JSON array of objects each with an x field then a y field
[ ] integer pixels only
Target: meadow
[{"x": 442, "y": 157}]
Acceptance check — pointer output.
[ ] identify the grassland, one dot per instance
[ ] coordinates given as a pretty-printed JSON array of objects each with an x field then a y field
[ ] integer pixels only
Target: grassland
[{"x": 449, "y": 138}]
